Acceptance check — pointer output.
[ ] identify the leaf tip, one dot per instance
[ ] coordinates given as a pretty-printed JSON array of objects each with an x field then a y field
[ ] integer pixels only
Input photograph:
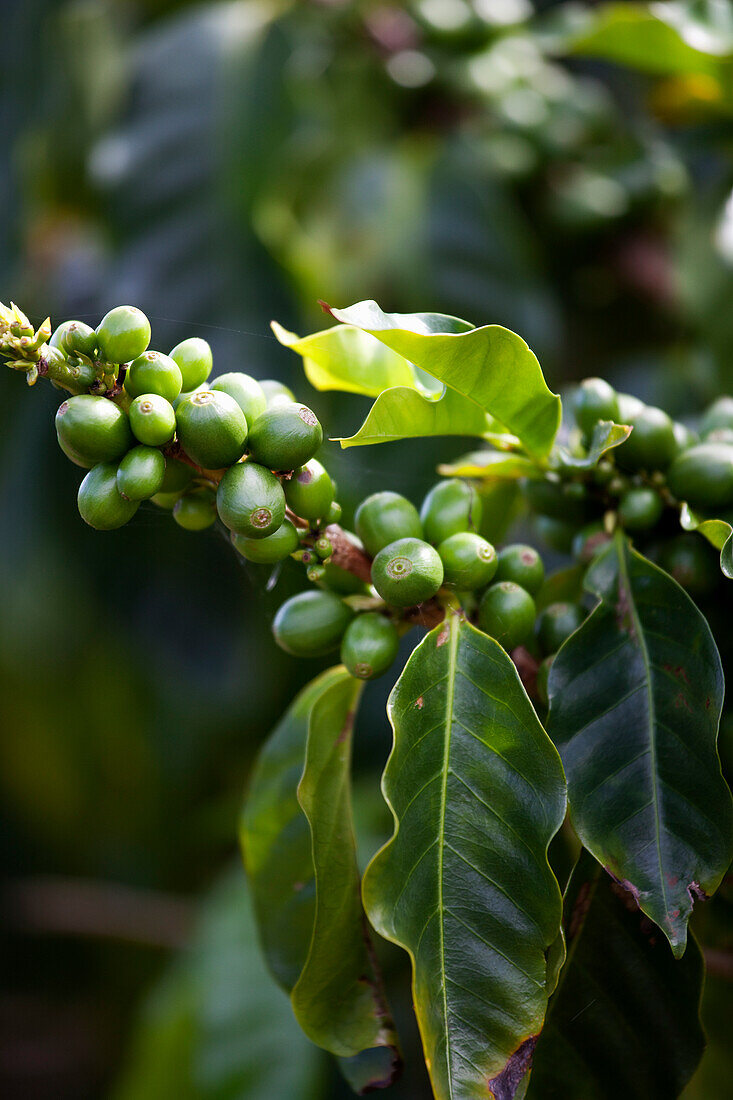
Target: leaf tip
[
  {"x": 504, "y": 1086},
  {"x": 326, "y": 307}
]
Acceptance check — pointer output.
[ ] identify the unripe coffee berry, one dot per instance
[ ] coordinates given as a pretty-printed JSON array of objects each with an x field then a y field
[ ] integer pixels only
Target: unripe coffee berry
[
  {"x": 469, "y": 562},
  {"x": 245, "y": 391},
  {"x": 93, "y": 428},
  {"x": 101, "y": 504},
  {"x": 123, "y": 334},
  {"x": 311, "y": 623},
  {"x": 211, "y": 429},
  {"x": 153, "y": 372},
  {"x": 285, "y": 437},
  {"x": 271, "y": 549},
  {"x": 369, "y": 645},
  {"x": 556, "y": 623},
  {"x": 383, "y": 518},
  {"x": 141, "y": 473},
  {"x": 522, "y": 565},
  {"x": 450, "y": 507},
  {"x": 194, "y": 360},
  {"x": 407, "y": 572},
  {"x": 309, "y": 492},
  {"x": 152, "y": 419},
  {"x": 195, "y": 511},
  {"x": 250, "y": 500},
  {"x": 507, "y": 613}
]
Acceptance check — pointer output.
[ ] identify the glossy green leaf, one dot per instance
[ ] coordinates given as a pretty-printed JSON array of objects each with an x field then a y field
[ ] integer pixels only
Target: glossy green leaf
[
  {"x": 403, "y": 413},
  {"x": 491, "y": 366},
  {"x": 635, "y": 701},
  {"x": 347, "y": 359},
  {"x": 477, "y": 792},
  {"x": 491, "y": 466},
  {"x": 337, "y": 998},
  {"x": 299, "y": 852},
  {"x": 605, "y": 436},
  {"x": 216, "y": 1027},
  {"x": 661, "y": 38},
  {"x": 718, "y": 532},
  {"x": 625, "y": 1018}
]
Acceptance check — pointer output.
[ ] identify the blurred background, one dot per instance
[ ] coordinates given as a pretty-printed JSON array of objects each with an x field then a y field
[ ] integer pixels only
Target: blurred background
[{"x": 564, "y": 170}]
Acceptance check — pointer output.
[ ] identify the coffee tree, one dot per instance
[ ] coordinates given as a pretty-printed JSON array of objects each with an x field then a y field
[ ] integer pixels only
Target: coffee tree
[{"x": 538, "y": 717}]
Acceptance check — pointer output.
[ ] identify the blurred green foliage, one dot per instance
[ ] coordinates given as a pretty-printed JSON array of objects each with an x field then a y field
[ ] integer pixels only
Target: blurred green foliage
[{"x": 562, "y": 170}]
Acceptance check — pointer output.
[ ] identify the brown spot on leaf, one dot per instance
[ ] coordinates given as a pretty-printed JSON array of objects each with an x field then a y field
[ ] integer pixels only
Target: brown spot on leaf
[
  {"x": 580, "y": 908},
  {"x": 346, "y": 728},
  {"x": 624, "y": 618},
  {"x": 504, "y": 1086},
  {"x": 672, "y": 879},
  {"x": 680, "y": 701},
  {"x": 696, "y": 892},
  {"x": 419, "y": 703},
  {"x": 708, "y": 703},
  {"x": 442, "y": 637}
]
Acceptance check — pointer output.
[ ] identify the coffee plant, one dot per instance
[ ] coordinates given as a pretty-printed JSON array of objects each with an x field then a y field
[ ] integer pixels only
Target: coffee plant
[{"x": 558, "y": 802}]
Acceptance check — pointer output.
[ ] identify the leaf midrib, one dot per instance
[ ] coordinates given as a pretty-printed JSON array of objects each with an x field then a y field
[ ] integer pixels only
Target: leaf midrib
[
  {"x": 450, "y": 694},
  {"x": 648, "y": 665}
]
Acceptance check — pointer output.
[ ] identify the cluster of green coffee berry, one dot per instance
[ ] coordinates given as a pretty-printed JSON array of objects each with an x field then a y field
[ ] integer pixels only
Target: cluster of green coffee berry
[
  {"x": 436, "y": 554},
  {"x": 640, "y": 484}
]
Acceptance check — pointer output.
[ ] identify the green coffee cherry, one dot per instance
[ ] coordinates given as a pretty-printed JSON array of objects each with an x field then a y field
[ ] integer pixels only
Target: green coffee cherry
[
  {"x": 718, "y": 415},
  {"x": 152, "y": 419},
  {"x": 469, "y": 562},
  {"x": 323, "y": 547},
  {"x": 309, "y": 492},
  {"x": 153, "y": 372},
  {"x": 195, "y": 511},
  {"x": 702, "y": 476},
  {"x": 316, "y": 573},
  {"x": 589, "y": 542},
  {"x": 58, "y": 338},
  {"x": 276, "y": 393},
  {"x": 556, "y": 623},
  {"x": 384, "y": 517},
  {"x": 719, "y": 435},
  {"x": 188, "y": 393},
  {"x": 450, "y": 507},
  {"x": 123, "y": 334},
  {"x": 285, "y": 437},
  {"x": 628, "y": 407},
  {"x": 692, "y": 563},
  {"x": 565, "y": 500},
  {"x": 407, "y": 572},
  {"x": 334, "y": 513},
  {"x": 594, "y": 401},
  {"x": 140, "y": 474},
  {"x": 245, "y": 391},
  {"x": 194, "y": 360},
  {"x": 211, "y": 428},
  {"x": 93, "y": 428},
  {"x": 250, "y": 500},
  {"x": 75, "y": 338},
  {"x": 522, "y": 565},
  {"x": 78, "y": 376},
  {"x": 652, "y": 444},
  {"x": 311, "y": 623},
  {"x": 273, "y": 548},
  {"x": 177, "y": 476},
  {"x": 369, "y": 645},
  {"x": 543, "y": 676},
  {"x": 507, "y": 613},
  {"x": 640, "y": 509},
  {"x": 100, "y": 503},
  {"x": 166, "y": 501}
]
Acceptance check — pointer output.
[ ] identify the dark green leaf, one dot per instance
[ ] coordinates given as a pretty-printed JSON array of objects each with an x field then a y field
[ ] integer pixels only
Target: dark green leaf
[
  {"x": 491, "y": 366},
  {"x": 635, "y": 700},
  {"x": 464, "y": 885},
  {"x": 309, "y": 947},
  {"x": 625, "y": 1018}
]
